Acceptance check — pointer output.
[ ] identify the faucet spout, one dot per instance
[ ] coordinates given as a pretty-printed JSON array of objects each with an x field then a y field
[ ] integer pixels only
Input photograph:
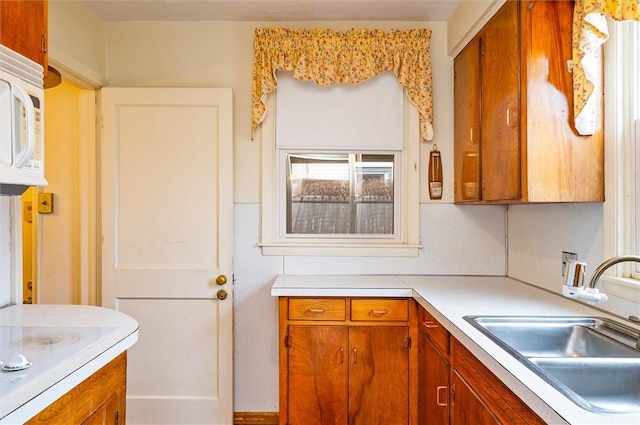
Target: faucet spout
[{"x": 608, "y": 263}]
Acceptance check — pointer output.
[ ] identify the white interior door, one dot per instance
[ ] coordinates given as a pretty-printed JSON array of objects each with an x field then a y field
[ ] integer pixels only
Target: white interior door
[{"x": 167, "y": 210}]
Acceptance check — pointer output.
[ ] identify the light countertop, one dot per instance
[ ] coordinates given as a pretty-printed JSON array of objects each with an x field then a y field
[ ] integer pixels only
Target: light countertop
[
  {"x": 66, "y": 343},
  {"x": 449, "y": 299}
]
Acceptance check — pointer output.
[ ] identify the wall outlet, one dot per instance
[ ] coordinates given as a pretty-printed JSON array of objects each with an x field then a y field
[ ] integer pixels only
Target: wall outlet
[{"x": 567, "y": 256}]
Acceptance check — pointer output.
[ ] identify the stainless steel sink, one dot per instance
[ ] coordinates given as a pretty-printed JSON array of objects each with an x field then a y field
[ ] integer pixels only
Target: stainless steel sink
[
  {"x": 604, "y": 385},
  {"x": 559, "y": 337},
  {"x": 591, "y": 360}
]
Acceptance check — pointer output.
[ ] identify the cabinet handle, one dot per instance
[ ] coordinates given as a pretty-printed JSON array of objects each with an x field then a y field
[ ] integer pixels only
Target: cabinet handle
[
  {"x": 438, "y": 390},
  {"x": 355, "y": 356},
  {"x": 475, "y": 135},
  {"x": 341, "y": 355},
  {"x": 429, "y": 324},
  {"x": 512, "y": 117},
  {"x": 316, "y": 310},
  {"x": 377, "y": 312}
]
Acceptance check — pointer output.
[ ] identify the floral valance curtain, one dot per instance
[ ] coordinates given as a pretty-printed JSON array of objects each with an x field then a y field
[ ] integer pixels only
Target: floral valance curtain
[
  {"x": 331, "y": 57},
  {"x": 589, "y": 33}
]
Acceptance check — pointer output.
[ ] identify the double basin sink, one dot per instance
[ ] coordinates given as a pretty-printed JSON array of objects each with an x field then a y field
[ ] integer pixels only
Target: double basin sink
[{"x": 593, "y": 361}]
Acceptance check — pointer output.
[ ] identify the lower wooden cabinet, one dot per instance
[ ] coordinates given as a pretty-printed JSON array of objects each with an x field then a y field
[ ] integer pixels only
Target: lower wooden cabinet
[
  {"x": 456, "y": 388},
  {"x": 473, "y": 384},
  {"x": 468, "y": 407},
  {"x": 98, "y": 400},
  {"x": 433, "y": 390},
  {"x": 367, "y": 361},
  {"x": 355, "y": 366}
]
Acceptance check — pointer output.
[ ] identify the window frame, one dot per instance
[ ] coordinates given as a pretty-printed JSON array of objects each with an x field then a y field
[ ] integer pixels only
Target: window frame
[
  {"x": 272, "y": 241},
  {"x": 622, "y": 167}
]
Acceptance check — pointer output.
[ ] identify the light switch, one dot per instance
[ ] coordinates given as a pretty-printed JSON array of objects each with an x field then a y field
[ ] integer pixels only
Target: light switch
[{"x": 45, "y": 203}]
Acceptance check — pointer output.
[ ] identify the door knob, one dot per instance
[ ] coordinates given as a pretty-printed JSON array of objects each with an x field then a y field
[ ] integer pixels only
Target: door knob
[
  {"x": 221, "y": 280},
  {"x": 222, "y": 295}
]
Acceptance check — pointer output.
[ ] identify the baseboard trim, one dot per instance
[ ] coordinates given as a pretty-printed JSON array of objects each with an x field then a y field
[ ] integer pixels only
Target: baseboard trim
[{"x": 256, "y": 418}]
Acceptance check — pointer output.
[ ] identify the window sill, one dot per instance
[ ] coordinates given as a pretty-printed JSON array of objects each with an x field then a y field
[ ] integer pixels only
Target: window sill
[
  {"x": 341, "y": 249},
  {"x": 622, "y": 287}
]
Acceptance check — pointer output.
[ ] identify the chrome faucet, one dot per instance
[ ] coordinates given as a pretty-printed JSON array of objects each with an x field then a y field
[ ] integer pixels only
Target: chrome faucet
[
  {"x": 574, "y": 274},
  {"x": 636, "y": 319},
  {"x": 610, "y": 262}
]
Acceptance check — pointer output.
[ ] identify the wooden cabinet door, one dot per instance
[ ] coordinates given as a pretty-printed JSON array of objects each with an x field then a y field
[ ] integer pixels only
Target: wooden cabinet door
[
  {"x": 501, "y": 167},
  {"x": 562, "y": 165},
  {"x": 466, "y": 131},
  {"x": 466, "y": 407},
  {"x": 318, "y": 375},
  {"x": 108, "y": 414},
  {"x": 378, "y": 375},
  {"x": 433, "y": 392},
  {"x": 24, "y": 28}
]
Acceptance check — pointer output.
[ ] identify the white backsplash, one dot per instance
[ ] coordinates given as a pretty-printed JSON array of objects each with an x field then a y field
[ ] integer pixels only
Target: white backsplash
[{"x": 539, "y": 233}]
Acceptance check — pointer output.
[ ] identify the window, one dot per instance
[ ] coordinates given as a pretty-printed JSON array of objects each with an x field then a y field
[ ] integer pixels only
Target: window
[
  {"x": 340, "y": 171},
  {"x": 340, "y": 194}
]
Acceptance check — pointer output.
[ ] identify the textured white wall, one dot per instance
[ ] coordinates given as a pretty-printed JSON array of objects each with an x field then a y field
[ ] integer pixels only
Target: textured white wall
[{"x": 77, "y": 39}]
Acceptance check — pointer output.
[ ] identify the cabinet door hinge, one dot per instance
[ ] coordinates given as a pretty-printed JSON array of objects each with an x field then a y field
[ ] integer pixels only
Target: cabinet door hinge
[
  {"x": 453, "y": 393},
  {"x": 287, "y": 341},
  {"x": 407, "y": 343},
  {"x": 481, "y": 47},
  {"x": 116, "y": 419}
]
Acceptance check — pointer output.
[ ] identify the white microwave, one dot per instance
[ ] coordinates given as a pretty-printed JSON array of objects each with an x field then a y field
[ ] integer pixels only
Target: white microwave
[{"x": 21, "y": 123}]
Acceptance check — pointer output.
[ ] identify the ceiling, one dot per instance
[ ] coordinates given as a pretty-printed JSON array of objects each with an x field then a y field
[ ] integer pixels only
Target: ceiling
[{"x": 273, "y": 10}]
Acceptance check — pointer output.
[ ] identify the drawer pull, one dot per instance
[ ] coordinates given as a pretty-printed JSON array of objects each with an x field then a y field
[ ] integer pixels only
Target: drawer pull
[
  {"x": 355, "y": 356},
  {"x": 429, "y": 324},
  {"x": 316, "y": 310},
  {"x": 438, "y": 390},
  {"x": 377, "y": 312}
]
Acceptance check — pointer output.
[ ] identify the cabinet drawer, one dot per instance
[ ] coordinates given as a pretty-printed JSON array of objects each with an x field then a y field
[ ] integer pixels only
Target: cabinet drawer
[
  {"x": 317, "y": 309},
  {"x": 434, "y": 330},
  {"x": 380, "y": 310}
]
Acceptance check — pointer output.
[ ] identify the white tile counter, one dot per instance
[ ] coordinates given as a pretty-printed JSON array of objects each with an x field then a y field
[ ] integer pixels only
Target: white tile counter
[
  {"x": 449, "y": 299},
  {"x": 66, "y": 343}
]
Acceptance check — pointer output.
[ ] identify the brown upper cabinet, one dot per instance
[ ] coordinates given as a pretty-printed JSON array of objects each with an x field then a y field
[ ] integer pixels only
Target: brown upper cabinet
[
  {"x": 514, "y": 137},
  {"x": 24, "y": 28}
]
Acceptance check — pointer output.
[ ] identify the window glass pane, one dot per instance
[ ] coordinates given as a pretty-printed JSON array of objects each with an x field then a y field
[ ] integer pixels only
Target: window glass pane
[{"x": 343, "y": 193}]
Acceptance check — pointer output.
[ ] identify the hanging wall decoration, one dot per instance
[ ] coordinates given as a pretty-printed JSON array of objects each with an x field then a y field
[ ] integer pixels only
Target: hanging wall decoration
[{"x": 435, "y": 174}]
